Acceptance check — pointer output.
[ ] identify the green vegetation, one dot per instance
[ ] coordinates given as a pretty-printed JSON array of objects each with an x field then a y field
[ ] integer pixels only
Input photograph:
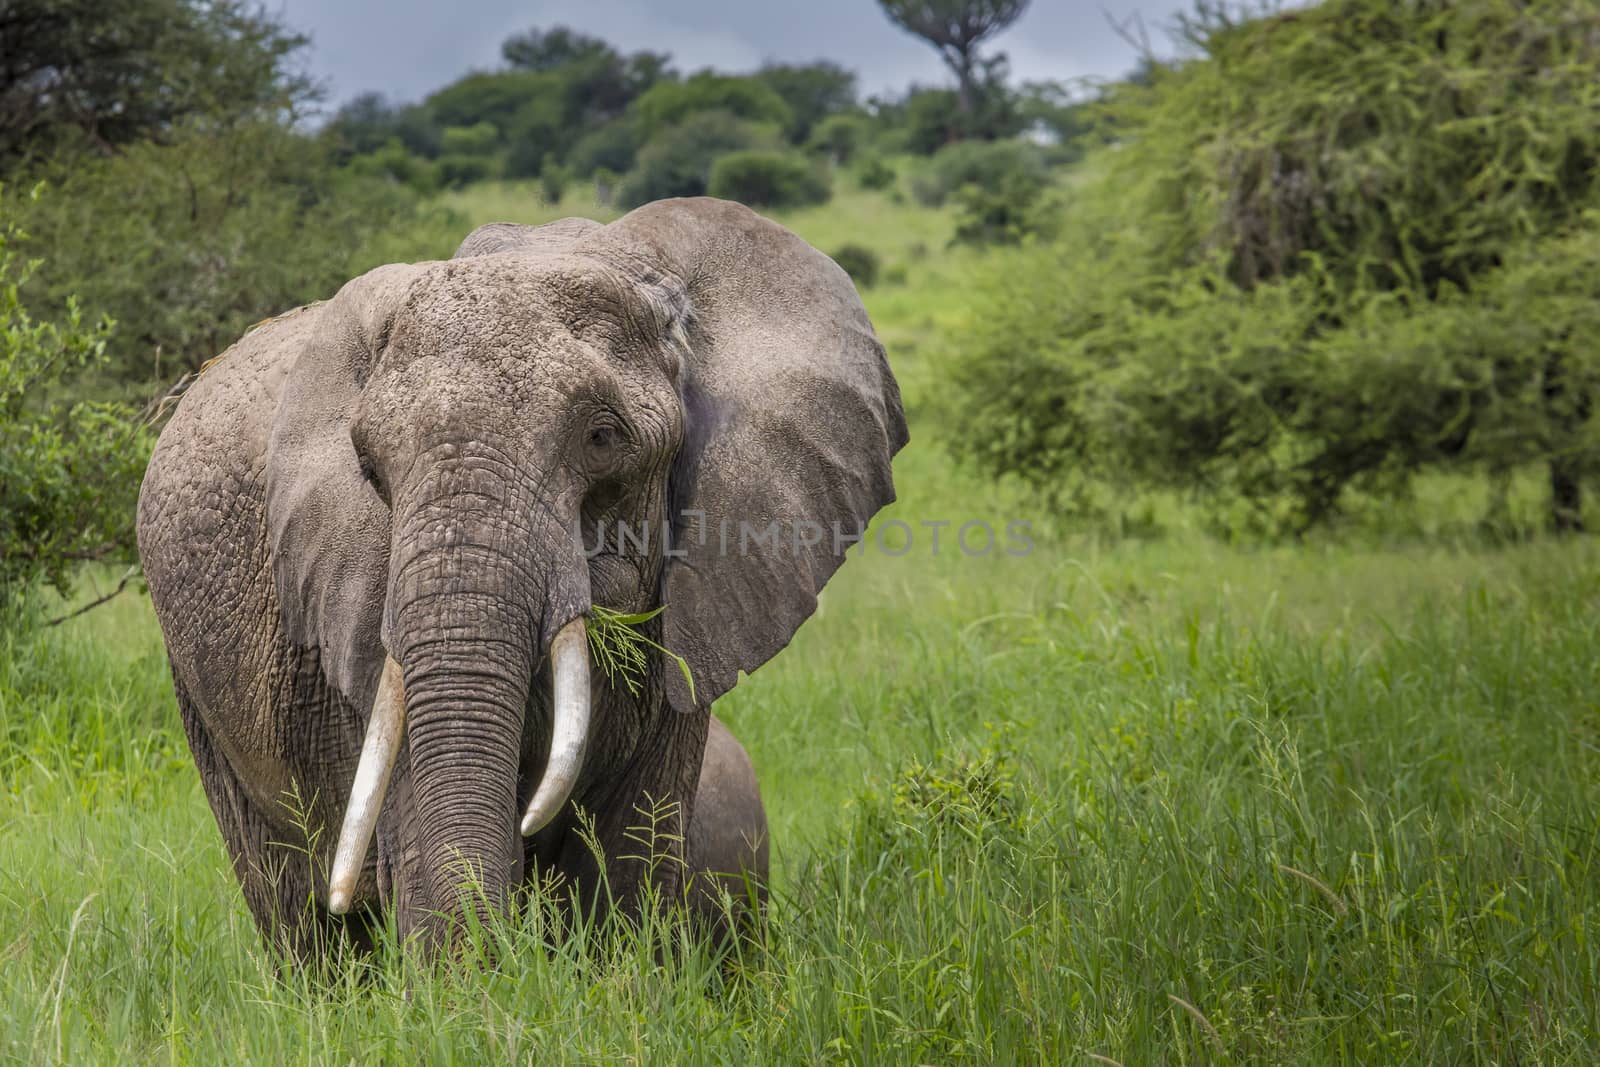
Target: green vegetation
[
  {"x": 1340, "y": 247},
  {"x": 1338, "y": 800},
  {"x": 768, "y": 179},
  {"x": 1166, "y": 788},
  {"x": 69, "y": 472}
]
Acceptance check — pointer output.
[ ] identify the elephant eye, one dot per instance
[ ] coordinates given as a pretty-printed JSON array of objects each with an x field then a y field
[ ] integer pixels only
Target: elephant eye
[{"x": 603, "y": 438}]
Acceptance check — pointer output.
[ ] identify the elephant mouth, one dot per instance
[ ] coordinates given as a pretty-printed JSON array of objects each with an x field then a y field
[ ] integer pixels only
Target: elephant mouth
[{"x": 569, "y": 734}]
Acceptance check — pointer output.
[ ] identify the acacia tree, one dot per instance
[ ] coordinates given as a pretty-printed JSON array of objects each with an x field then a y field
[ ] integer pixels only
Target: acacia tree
[
  {"x": 955, "y": 28},
  {"x": 1339, "y": 246}
]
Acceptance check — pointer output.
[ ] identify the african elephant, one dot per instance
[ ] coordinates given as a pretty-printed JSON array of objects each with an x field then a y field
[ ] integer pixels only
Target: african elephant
[{"x": 373, "y": 532}]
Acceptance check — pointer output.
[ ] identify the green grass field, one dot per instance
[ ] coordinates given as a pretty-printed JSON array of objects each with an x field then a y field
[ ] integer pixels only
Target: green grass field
[{"x": 1138, "y": 801}]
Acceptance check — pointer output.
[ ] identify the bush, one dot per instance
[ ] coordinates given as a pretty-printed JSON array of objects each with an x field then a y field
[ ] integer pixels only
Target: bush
[
  {"x": 840, "y": 137},
  {"x": 990, "y": 165},
  {"x": 612, "y": 147},
  {"x": 1003, "y": 213},
  {"x": 394, "y": 162},
  {"x": 678, "y": 161},
  {"x": 860, "y": 262},
  {"x": 455, "y": 172},
  {"x": 874, "y": 173},
  {"x": 69, "y": 476},
  {"x": 1275, "y": 304},
  {"x": 768, "y": 179},
  {"x": 553, "y": 181}
]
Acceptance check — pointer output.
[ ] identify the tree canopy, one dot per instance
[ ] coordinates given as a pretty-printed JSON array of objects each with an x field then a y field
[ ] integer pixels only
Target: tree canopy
[
  {"x": 1335, "y": 248},
  {"x": 955, "y": 28}
]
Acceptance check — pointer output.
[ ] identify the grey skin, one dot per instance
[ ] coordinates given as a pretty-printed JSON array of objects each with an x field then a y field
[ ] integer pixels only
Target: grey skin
[{"x": 430, "y": 466}]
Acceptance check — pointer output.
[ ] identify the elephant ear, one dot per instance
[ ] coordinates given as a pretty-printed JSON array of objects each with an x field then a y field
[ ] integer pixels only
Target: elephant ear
[
  {"x": 791, "y": 417},
  {"x": 329, "y": 531}
]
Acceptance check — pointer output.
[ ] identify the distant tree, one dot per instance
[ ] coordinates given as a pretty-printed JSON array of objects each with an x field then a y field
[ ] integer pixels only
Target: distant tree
[
  {"x": 813, "y": 91},
  {"x": 600, "y": 81},
  {"x": 548, "y": 49},
  {"x": 105, "y": 73},
  {"x": 668, "y": 103},
  {"x": 955, "y": 28}
]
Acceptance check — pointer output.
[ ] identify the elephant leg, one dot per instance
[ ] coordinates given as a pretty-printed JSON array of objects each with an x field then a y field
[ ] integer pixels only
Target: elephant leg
[
  {"x": 727, "y": 848},
  {"x": 274, "y": 870}
]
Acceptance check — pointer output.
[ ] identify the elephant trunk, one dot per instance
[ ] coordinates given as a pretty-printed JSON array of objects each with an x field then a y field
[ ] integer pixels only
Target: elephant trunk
[
  {"x": 477, "y": 596},
  {"x": 465, "y": 703}
]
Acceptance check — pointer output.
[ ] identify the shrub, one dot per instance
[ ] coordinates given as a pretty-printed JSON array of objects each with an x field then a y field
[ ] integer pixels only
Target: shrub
[
  {"x": 840, "y": 137},
  {"x": 990, "y": 165},
  {"x": 860, "y": 262},
  {"x": 553, "y": 181},
  {"x": 479, "y": 139},
  {"x": 394, "y": 162},
  {"x": 69, "y": 476},
  {"x": 874, "y": 173},
  {"x": 1002, "y": 213},
  {"x": 458, "y": 171},
  {"x": 678, "y": 161},
  {"x": 768, "y": 179},
  {"x": 612, "y": 147}
]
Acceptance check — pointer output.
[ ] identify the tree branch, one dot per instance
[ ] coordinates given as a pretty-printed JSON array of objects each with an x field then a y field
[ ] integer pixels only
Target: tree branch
[{"x": 132, "y": 573}]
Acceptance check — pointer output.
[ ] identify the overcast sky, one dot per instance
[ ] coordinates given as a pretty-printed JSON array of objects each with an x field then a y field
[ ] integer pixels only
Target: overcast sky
[{"x": 407, "y": 48}]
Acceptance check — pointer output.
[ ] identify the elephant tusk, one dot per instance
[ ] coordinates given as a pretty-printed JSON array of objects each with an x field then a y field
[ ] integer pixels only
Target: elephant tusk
[
  {"x": 385, "y": 727},
  {"x": 569, "y": 728}
]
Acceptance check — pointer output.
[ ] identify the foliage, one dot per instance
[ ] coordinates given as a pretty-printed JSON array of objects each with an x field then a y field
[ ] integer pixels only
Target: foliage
[
  {"x": 812, "y": 91},
  {"x": 764, "y": 178},
  {"x": 188, "y": 243},
  {"x": 990, "y": 165},
  {"x": 370, "y": 124},
  {"x": 69, "y": 473},
  {"x": 841, "y": 136},
  {"x": 955, "y": 28},
  {"x": 933, "y": 118},
  {"x": 860, "y": 262},
  {"x": 1396, "y": 146},
  {"x": 611, "y": 147},
  {"x": 621, "y": 648},
  {"x": 1338, "y": 249},
  {"x": 1003, "y": 212},
  {"x": 678, "y": 161},
  {"x": 553, "y": 182},
  {"x": 669, "y": 104},
  {"x": 875, "y": 173},
  {"x": 100, "y": 74},
  {"x": 394, "y": 162},
  {"x": 1055, "y": 110}
]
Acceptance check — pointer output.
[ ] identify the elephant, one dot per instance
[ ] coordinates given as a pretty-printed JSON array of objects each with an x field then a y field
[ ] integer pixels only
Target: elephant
[{"x": 375, "y": 532}]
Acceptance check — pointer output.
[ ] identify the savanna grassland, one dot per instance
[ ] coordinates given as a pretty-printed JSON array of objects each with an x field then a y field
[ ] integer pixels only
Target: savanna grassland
[{"x": 1155, "y": 799}]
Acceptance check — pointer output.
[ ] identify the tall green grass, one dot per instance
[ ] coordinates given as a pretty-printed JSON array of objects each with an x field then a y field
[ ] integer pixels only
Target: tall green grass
[{"x": 1155, "y": 801}]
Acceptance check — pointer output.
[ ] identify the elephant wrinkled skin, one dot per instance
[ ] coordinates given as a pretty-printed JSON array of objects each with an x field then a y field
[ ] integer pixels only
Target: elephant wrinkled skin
[{"x": 432, "y": 467}]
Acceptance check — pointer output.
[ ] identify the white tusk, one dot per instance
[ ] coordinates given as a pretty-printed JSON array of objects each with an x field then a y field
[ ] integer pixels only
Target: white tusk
[
  {"x": 569, "y": 726},
  {"x": 385, "y": 727}
]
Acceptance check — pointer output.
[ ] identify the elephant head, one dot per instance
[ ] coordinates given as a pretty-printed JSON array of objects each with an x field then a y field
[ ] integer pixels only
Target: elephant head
[{"x": 470, "y": 454}]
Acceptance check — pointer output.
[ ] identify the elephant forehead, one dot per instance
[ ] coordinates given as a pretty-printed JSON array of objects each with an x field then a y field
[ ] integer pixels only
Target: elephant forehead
[{"x": 525, "y": 304}]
